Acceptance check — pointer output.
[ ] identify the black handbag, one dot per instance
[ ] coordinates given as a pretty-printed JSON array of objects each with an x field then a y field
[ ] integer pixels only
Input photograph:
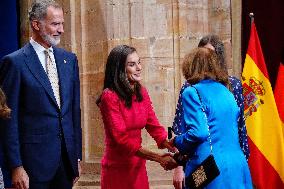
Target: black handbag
[{"x": 208, "y": 170}]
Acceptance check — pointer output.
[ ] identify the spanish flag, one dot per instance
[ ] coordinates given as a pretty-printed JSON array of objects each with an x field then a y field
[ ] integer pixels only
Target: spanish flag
[
  {"x": 279, "y": 91},
  {"x": 265, "y": 132}
]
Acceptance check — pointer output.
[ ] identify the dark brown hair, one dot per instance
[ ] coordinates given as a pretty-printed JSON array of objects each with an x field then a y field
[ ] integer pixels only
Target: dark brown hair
[
  {"x": 202, "y": 63},
  {"x": 116, "y": 78},
  {"x": 4, "y": 110},
  {"x": 218, "y": 45}
]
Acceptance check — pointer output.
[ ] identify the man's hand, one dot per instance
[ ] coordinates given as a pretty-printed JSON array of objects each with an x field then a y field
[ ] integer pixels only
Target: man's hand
[
  {"x": 20, "y": 178},
  {"x": 79, "y": 171}
]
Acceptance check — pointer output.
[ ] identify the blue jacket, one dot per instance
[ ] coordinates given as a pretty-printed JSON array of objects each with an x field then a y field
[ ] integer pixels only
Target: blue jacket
[
  {"x": 238, "y": 94},
  {"x": 34, "y": 134},
  {"x": 222, "y": 114}
]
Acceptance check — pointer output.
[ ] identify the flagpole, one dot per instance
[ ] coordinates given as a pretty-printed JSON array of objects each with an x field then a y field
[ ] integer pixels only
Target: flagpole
[{"x": 251, "y": 15}]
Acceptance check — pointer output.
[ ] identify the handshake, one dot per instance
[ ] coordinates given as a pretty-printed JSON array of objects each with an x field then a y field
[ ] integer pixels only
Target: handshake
[{"x": 167, "y": 160}]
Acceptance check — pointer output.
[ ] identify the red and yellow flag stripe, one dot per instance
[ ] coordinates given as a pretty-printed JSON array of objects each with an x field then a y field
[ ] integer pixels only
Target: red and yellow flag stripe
[
  {"x": 263, "y": 122},
  {"x": 279, "y": 91}
]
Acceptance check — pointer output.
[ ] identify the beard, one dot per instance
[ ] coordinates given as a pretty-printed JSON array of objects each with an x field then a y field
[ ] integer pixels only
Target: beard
[{"x": 53, "y": 41}]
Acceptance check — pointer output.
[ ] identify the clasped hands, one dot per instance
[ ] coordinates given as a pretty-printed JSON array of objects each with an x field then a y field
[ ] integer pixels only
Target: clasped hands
[{"x": 167, "y": 161}]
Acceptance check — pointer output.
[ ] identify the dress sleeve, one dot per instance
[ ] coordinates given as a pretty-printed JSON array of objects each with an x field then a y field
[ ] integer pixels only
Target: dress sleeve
[
  {"x": 153, "y": 126},
  {"x": 195, "y": 120},
  {"x": 178, "y": 124},
  {"x": 114, "y": 122}
]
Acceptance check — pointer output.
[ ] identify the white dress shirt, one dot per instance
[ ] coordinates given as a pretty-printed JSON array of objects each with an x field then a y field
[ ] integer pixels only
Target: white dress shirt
[{"x": 39, "y": 49}]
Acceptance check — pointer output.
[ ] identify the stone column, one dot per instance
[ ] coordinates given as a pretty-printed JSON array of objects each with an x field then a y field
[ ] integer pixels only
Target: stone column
[{"x": 236, "y": 7}]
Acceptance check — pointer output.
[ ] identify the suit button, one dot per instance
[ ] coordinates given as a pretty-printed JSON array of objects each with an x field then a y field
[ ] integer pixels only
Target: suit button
[{"x": 59, "y": 135}]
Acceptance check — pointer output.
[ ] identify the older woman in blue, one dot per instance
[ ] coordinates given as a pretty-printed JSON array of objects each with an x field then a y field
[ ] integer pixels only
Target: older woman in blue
[
  {"x": 202, "y": 70},
  {"x": 213, "y": 42}
]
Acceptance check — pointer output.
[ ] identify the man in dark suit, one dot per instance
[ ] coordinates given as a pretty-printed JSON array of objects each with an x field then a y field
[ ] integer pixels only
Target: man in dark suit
[{"x": 43, "y": 138}]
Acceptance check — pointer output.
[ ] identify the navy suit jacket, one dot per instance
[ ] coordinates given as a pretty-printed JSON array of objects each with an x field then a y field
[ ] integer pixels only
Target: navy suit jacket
[{"x": 34, "y": 134}]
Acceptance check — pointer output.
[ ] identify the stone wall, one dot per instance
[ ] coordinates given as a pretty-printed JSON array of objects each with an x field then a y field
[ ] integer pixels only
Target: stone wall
[{"x": 161, "y": 30}]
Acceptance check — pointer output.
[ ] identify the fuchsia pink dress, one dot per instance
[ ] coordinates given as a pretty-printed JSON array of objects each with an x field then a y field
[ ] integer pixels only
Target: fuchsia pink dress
[{"x": 121, "y": 168}]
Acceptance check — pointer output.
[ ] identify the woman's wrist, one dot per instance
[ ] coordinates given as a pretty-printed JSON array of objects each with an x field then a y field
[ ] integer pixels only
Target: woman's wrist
[{"x": 149, "y": 155}]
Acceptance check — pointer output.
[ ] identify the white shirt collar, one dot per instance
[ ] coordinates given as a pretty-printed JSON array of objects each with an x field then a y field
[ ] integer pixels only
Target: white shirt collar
[{"x": 38, "y": 47}]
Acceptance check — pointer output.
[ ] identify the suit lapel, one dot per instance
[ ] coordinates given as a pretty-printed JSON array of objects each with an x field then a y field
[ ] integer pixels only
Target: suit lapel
[
  {"x": 64, "y": 80},
  {"x": 37, "y": 70}
]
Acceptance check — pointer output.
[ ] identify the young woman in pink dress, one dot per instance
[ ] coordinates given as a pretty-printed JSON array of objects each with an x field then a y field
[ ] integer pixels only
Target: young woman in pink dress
[{"x": 126, "y": 109}]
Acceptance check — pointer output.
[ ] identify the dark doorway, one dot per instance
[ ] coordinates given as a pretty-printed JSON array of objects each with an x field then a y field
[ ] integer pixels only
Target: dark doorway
[{"x": 269, "y": 21}]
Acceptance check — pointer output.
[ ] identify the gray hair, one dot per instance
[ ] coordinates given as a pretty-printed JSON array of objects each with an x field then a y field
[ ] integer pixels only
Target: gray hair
[
  {"x": 218, "y": 45},
  {"x": 38, "y": 9}
]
